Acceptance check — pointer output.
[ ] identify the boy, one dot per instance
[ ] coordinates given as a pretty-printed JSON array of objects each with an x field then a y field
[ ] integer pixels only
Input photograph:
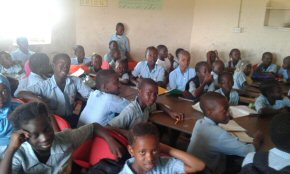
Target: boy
[
  {"x": 122, "y": 40},
  {"x": 121, "y": 70},
  {"x": 104, "y": 103},
  {"x": 149, "y": 69},
  {"x": 211, "y": 143},
  {"x": 97, "y": 61},
  {"x": 180, "y": 76},
  {"x": 211, "y": 57},
  {"x": 145, "y": 149},
  {"x": 242, "y": 71},
  {"x": 139, "y": 110},
  {"x": 276, "y": 159},
  {"x": 34, "y": 148},
  {"x": 164, "y": 59},
  {"x": 80, "y": 56},
  {"x": 202, "y": 82},
  {"x": 226, "y": 82},
  {"x": 10, "y": 68},
  {"x": 39, "y": 65},
  {"x": 266, "y": 70},
  {"x": 177, "y": 51},
  {"x": 271, "y": 101},
  {"x": 284, "y": 71},
  {"x": 22, "y": 53},
  {"x": 218, "y": 67},
  {"x": 111, "y": 58}
]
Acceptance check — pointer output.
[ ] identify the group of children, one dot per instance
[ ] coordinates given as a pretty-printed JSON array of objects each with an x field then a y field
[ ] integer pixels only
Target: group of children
[{"x": 35, "y": 148}]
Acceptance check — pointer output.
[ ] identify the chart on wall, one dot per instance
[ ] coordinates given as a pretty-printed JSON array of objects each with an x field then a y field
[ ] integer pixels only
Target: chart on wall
[{"x": 141, "y": 4}]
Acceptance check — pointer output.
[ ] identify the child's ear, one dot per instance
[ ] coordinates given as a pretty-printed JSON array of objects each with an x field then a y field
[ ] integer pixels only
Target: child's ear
[{"x": 131, "y": 151}]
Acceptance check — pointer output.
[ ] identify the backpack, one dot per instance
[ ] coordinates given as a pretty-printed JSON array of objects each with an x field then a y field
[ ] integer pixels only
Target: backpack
[{"x": 260, "y": 166}]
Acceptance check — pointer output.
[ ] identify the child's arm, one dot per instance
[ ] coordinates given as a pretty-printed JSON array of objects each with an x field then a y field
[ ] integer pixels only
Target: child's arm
[
  {"x": 171, "y": 113},
  {"x": 191, "y": 163},
  {"x": 198, "y": 91},
  {"x": 30, "y": 96}
]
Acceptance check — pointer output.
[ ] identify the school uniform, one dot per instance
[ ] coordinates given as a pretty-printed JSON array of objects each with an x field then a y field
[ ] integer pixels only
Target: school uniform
[
  {"x": 18, "y": 55},
  {"x": 124, "y": 76},
  {"x": 284, "y": 73},
  {"x": 12, "y": 71},
  {"x": 277, "y": 159},
  {"x": 178, "y": 80},
  {"x": 234, "y": 96},
  {"x": 132, "y": 115},
  {"x": 101, "y": 108},
  {"x": 239, "y": 80},
  {"x": 108, "y": 62},
  {"x": 230, "y": 64},
  {"x": 123, "y": 44},
  {"x": 215, "y": 77},
  {"x": 61, "y": 103},
  {"x": 163, "y": 165},
  {"x": 25, "y": 83},
  {"x": 64, "y": 144},
  {"x": 262, "y": 102},
  {"x": 211, "y": 144},
  {"x": 271, "y": 68},
  {"x": 142, "y": 70},
  {"x": 74, "y": 61},
  {"x": 164, "y": 63},
  {"x": 195, "y": 83}
]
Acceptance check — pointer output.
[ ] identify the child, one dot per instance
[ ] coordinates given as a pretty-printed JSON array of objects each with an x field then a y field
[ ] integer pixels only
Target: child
[
  {"x": 180, "y": 76},
  {"x": 266, "y": 69},
  {"x": 164, "y": 59},
  {"x": 149, "y": 69},
  {"x": 271, "y": 101},
  {"x": 6, "y": 107},
  {"x": 145, "y": 150},
  {"x": 111, "y": 58},
  {"x": 211, "y": 57},
  {"x": 113, "y": 45},
  {"x": 202, "y": 82},
  {"x": 60, "y": 90},
  {"x": 104, "y": 103},
  {"x": 218, "y": 67},
  {"x": 177, "y": 51},
  {"x": 284, "y": 71},
  {"x": 22, "y": 53},
  {"x": 97, "y": 61},
  {"x": 39, "y": 65},
  {"x": 121, "y": 70},
  {"x": 243, "y": 69},
  {"x": 139, "y": 110},
  {"x": 226, "y": 82},
  {"x": 10, "y": 68},
  {"x": 211, "y": 143},
  {"x": 34, "y": 148},
  {"x": 235, "y": 57},
  {"x": 122, "y": 40},
  {"x": 80, "y": 56},
  {"x": 277, "y": 158}
]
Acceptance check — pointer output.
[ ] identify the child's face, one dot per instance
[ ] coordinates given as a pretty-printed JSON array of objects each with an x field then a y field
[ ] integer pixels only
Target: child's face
[
  {"x": 211, "y": 56},
  {"x": 120, "y": 68},
  {"x": 113, "y": 86},
  {"x": 151, "y": 57},
  {"x": 80, "y": 53},
  {"x": 163, "y": 53},
  {"x": 97, "y": 62},
  {"x": 267, "y": 60},
  {"x": 148, "y": 94},
  {"x": 6, "y": 60},
  {"x": 203, "y": 72},
  {"x": 286, "y": 63},
  {"x": 61, "y": 68},
  {"x": 184, "y": 61},
  {"x": 113, "y": 46},
  {"x": 4, "y": 95},
  {"x": 220, "y": 114},
  {"x": 248, "y": 70},
  {"x": 236, "y": 55},
  {"x": 41, "y": 133},
  {"x": 218, "y": 68},
  {"x": 227, "y": 83},
  {"x": 276, "y": 94},
  {"x": 120, "y": 30},
  {"x": 146, "y": 152}
]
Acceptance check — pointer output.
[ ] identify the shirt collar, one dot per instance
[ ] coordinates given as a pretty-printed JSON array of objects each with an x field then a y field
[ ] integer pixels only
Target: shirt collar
[
  {"x": 209, "y": 121},
  {"x": 181, "y": 71},
  {"x": 67, "y": 81},
  {"x": 155, "y": 66}
]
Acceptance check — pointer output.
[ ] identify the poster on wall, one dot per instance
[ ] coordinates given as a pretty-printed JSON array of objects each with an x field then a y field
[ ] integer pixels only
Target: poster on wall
[{"x": 141, "y": 4}]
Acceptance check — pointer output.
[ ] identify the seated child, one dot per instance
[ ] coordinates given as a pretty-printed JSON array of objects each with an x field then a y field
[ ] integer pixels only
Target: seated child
[
  {"x": 60, "y": 90},
  {"x": 271, "y": 101},
  {"x": 235, "y": 57},
  {"x": 111, "y": 58},
  {"x": 22, "y": 53},
  {"x": 211, "y": 143},
  {"x": 121, "y": 70},
  {"x": 34, "y": 148},
  {"x": 122, "y": 40},
  {"x": 211, "y": 57},
  {"x": 139, "y": 110},
  {"x": 266, "y": 69},
  {"x": 177, "y": 51},
  {"x": 39, "y": 65},
  {"x": 180, "y": 76},
  {"x": 149, "y": 68},
  {"x": 226, "y": 82},
  {"x": 104, "y": 103},
  {"x": 6, "y": 107},
  {"x": 164, "y": 59},
  {"x": 97, "y": 61},
  {"x": 243, "y": 69},
  {"x": 10, "y": 68},
  {"x": 277, "y": 158},
  {"x": 80, "y": 56},
  {"x": 202, "y": 82},
  {"x": 113, "y": 45},
  {"x": 145, "y": 149},
  {"x": 284, "y": 71},
  {"x": 218, "y": 67}
]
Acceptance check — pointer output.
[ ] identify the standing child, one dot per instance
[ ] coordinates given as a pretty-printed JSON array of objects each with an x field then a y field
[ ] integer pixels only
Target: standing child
[
  {"x": 111, "y": 58},
  {"x": 211, "y": 143},
  {"x": 235, "y": 57},
  {"x": 243, "y": 69},
  {"x": 226, "y": 82},
  {"x": 104, "y": 103},
  {"x": 122, "y": 40},
  {"x": 10, "y": 68},
  {"x": 97, "y": 61},
  {"x": 266, "y": 69},
  {"x": 218, "y": 67},
  {"x": 34, "y": 148},
  {"x": 80, "y": 56},
  {"x": 211, "y": 57},
  {"x": 164, "y": 59},
  {"x": 284, "y": 71},
  {"x": 149, "y": 68},
  {"x": 22, "y": 53},
  {"x": 121, "y": 70},
  {"x": 145, "y": 149},
  {"x": 180, "y": 76}
]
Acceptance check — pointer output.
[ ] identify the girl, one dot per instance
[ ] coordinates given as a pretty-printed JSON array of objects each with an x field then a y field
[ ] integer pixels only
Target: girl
[
  {"x": 235, "y": 57},
  {"x": 243, "y": 69}
]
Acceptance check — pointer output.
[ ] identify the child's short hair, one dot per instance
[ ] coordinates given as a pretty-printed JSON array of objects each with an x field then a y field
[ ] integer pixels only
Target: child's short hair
[
  {"x": 26, "y": 112},
  {"x": 103, "y": 77},
  {"x": 95, "y": 56},
  {"x": 37, "y": 61},
  {"x": 267, "y": 53},
  {"x": 151, "y": 48},
  {"x": 207, "y": 99},
  {"x": 147, "y": 81},
  {"x": 286, "y": 58},
  {"x": 160, "y": 47},
  {"x": 184, "y": 52},
  {"x": 122, "y": 62},
  {"x": 60, "y": 56},
  {"x": 223, "y": 75},
  {"x": 267, "y": 86},
  {"x": 142, "y": 129},
  {"x": 201, "y": 64},
  {"x": 233, "y": 50},
  {"x": 280, "y": 131},
  {"x": 112, "y": 41},
  {"x": 78, "y": 47},
  {"x": 119, "y": 24},
  {"x": 177, "y": 51},
  {"x": 21, "y": 40}
]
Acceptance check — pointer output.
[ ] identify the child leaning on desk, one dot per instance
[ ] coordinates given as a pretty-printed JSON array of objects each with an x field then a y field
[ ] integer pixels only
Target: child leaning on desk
[{"x": 211, "y": 143}]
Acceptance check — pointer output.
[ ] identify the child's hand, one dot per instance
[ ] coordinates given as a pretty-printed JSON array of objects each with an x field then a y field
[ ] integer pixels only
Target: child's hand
[
  {"x": 17, "y": 138},
  {"x": 177, "y": 116},
  {"x": 207, "y": 78},
  {"x": 258, "y": 140}
]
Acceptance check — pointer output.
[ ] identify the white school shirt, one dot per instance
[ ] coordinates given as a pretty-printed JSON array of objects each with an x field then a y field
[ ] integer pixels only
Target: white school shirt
[
  {"x": 165, "y": 64},
  {"x": 74, "y": 61},
  {"x": 123, "y": 44},
  {"x": 234, "y": 96},
  {"x": 101, "y": 108},
  {"x": 239, "y": 80},
  {"x": 178, "y": 80},
  {"x": 262, "y": 102},
  {"x": 142, "y": 70},
  {"x": 18, "y": 55},
  {"x": 25, "y": 83},
  {"x": 124, "y": 76},
  {"x": 61, "y": 103},
  {"x": 12, "y": 71}
]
